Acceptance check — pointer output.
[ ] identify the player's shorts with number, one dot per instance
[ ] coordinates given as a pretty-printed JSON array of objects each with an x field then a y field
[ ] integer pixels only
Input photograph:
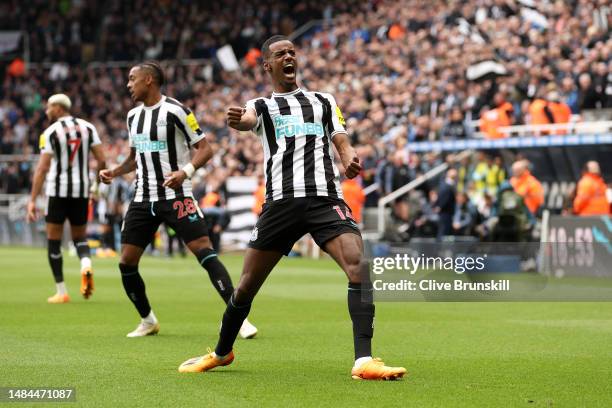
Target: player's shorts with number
[
  {"x": 181, "y": 214},
  {"x": 60, "y": 208},
  {"x": 285, "y": 221}
]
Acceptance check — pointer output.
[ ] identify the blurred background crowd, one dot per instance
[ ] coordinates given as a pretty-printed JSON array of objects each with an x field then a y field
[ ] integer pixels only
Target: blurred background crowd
[{"x": 397, "y": 69}]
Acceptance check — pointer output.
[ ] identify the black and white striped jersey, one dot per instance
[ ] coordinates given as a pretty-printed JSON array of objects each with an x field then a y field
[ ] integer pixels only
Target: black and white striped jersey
[
  {"x": 69, "y": 140},
  {"x": 162, "y": 135},
  {"x": 296, "y": 130}
]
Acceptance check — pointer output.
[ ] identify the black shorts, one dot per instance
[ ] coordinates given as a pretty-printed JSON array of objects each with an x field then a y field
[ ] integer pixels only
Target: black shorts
[
  {"x": 285, "y": 221},
  {"x": 60, "y": 208},
  {"x": 181, "y": 214}
]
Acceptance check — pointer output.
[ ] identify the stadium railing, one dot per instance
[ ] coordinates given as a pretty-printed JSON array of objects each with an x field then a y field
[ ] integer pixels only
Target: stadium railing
[{"x": 384, "y": 201}]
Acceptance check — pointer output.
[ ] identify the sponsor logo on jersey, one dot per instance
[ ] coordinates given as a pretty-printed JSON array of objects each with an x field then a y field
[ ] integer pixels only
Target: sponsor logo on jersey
[
  {"x": 143, "y": 143},
  {"x": 294, "y": 126}
]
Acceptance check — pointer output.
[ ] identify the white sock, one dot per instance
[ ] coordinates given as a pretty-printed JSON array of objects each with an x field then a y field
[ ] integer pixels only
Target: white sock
[
  {"x": 61, "y": 288},
  {"x": 85, "y": 262},
  {"x": 362, "y": 360},
  {"x": 150, "y": 319}
]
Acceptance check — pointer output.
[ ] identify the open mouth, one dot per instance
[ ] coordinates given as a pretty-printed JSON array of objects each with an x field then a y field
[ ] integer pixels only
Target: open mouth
[{"x": 289, "y": 69}]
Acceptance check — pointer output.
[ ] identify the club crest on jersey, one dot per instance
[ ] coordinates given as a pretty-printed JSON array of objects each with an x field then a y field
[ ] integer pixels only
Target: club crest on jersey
[
  {"x": 294, "y": 126},
  {"x": 254, "y": 234}
]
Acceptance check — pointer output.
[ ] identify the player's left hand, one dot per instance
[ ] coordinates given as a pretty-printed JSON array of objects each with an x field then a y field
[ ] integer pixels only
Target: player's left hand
[
  {"x": 32, "y": 212},
  {"x": 175, "y": 179},
  {"x": 353, "y": 169}
]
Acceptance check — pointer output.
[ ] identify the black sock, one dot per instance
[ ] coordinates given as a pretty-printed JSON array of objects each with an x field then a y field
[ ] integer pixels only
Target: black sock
[
  {"x": 135, "y": 288},
  {"x": 82, "y": 248},
  {"x": 54, "y": 254},
  {"x": 232, "y": 321},
  {"x": 217, "y": 273},
  {"x": 361, "y": 309}
]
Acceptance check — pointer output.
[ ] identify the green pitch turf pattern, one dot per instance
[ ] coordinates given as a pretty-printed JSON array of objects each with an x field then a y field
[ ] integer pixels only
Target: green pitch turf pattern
[{"x": 457, "y": 354}]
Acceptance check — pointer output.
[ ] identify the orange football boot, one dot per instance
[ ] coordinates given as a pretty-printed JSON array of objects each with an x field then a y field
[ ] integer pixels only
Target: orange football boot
[
  {"x": 375, "y": 369},
  {"x": 205, "y": 363}
]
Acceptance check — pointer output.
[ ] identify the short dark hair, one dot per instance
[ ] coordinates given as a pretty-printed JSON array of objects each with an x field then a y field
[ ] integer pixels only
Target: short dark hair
[
  {"x": 265, "y": 48},
  {"x": 155, "y": 70}
]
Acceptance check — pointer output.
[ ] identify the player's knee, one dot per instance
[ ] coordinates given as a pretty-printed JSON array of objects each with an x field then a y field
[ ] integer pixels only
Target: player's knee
[
  {"x": 353, "y": 266},
  {"x": 128, "y": 258},
  {"x": 198, "y": 245},
  {"x": 242, "y": 295}
]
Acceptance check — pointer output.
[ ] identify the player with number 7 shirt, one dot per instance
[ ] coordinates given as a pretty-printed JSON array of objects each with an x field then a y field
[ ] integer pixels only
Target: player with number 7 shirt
[
  {"x": 161, "y": 133},
  {"x": 64, "y": 163}
]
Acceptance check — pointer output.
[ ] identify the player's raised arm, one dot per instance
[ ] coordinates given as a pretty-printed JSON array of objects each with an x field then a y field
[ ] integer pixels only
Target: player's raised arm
[
  {"x": 128, "y": 165},
  {"x": 348, "y": 156},
  {"x": 241, "y": 118}
]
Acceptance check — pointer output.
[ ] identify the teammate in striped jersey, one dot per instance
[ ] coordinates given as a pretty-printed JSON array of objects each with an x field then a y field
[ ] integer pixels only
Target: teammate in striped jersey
[
  {"x": 297, "y": 129},
  {"x": 64, "y": 159},
  {"x": 161, "y": 133}
]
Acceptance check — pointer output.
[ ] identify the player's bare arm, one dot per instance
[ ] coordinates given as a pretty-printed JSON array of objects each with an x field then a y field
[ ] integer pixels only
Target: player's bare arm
[
  {"x": 241, "y": 118},
  {"x": 44, "y": 163},
  {"x": 348, "y": 156},
  {"x": 203, "y": 153},
  {"x": 98, "y": 152},
  {"x": 128, "y": 165}
]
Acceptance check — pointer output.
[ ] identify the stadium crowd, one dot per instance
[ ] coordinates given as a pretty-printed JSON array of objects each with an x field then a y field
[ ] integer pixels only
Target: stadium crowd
[{"x": 397, "y": 69}]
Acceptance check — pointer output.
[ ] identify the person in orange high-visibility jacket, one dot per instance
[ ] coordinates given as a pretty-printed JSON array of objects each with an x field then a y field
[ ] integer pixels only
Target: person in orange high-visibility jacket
[
  {"x": 260, "y": 197},
  {"x": 539, "y": 112},
  {"x": 559, "y": 110},
  {"x": 527, "y": 186},
  {"x": 354, "y": 197},
  {"x": 211, "y": 199},
  {"x": 591, "y": 192},
  {"x": 493, "y": 119}
]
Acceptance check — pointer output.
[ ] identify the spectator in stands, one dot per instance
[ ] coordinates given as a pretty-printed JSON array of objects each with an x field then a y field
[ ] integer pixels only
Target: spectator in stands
[
  {"x": 569, "y": 94},
  {"x": 426, "y": 222},
  {"x": 354, "y": 197},
  {"x": 591, "y": 192},
  {"x": 587, "y": 95},
  {"x": 445, "y": 205},
  {"x": 561, "y": 112},
  {"x": 527, "y": 186},
  {"x": 454, "y": 128},
  {"x": 396, "y": 173},
  {"x": 465, "y": 215}
]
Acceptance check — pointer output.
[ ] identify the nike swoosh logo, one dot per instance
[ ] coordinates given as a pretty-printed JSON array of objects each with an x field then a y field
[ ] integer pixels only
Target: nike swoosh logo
[{"x": 55, "y": 256}]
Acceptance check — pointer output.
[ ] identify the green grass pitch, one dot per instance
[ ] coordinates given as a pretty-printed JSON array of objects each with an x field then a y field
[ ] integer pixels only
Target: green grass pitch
[{"x": 457, "y": 354}]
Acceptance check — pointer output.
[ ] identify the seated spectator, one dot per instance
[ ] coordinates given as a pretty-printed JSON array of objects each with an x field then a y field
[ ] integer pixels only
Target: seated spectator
[{"x": 465, "y": 215}]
